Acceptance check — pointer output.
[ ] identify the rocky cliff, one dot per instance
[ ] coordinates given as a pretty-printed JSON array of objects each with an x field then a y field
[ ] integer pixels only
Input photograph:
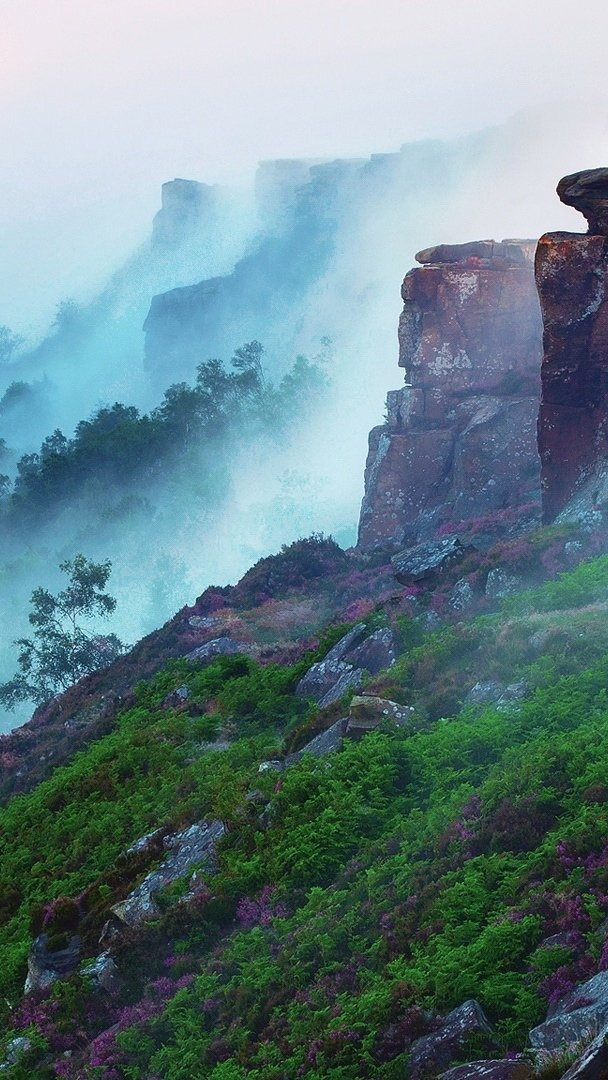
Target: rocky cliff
[
  {"x": 459, "y": 439},
  {"x": 572, "y": 285}
]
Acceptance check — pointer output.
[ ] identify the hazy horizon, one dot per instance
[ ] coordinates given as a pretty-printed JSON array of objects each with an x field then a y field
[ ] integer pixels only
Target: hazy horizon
[{"x": 102, "y": 102}]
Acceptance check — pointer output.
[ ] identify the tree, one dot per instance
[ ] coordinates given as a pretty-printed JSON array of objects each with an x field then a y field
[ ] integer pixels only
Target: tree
[
  {"x": 9, "y": 344},
  {"x": 61, "y": 650}
]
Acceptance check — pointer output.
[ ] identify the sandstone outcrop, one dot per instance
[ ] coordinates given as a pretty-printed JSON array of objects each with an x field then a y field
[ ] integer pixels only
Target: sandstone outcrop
[
  {"x": 460, "y": 438},
  {"x": 572, "y": 286}
]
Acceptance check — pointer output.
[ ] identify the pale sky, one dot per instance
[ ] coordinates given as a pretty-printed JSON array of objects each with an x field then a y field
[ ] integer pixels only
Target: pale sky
[{"x": 103, "y": 100}]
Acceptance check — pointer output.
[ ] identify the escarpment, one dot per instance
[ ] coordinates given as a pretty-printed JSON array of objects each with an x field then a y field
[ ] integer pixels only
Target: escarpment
[
  {"x": 573, "y": 422},
  {"x": 459, "y": 440}
]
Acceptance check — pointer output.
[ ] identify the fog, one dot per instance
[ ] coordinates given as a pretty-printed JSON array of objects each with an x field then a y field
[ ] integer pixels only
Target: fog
[{"x": 100, "y": 106}]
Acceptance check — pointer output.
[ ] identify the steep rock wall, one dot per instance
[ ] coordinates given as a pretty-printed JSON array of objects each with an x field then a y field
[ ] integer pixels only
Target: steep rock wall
[
  {"x": 571, "y": 274},
  {"x": 460, "y": 438}
]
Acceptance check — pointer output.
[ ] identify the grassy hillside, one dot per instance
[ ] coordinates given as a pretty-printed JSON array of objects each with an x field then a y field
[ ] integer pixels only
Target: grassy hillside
[{"x": 358, "y": 896}]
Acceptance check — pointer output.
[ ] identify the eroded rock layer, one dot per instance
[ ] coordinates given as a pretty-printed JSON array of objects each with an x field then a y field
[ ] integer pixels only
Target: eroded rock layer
[
  {"x": 571, "y": 274},
  {"x": 459, "y": 441}
]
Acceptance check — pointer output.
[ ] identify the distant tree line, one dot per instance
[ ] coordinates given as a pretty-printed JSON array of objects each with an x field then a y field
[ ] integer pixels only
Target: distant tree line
[{"x": 118, "y": 446}]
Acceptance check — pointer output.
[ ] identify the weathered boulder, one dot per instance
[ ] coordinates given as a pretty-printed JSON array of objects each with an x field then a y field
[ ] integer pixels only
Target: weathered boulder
[
  {"x": 322, "y": 744},
  {"x": 103, "y": 973},
  {"x": 375, "y": 653},
  {"x": 576, "y": 1019},
  {"x": 460, "y": 438},
  {"x": 498, "y": 1069},
  {"x": 15, "y": 1049},
  {"x": 500, "y": 583},
  {"x": 431, "y": 1054},
  {"x": 573, "y": 419},
  {"x": 587, "y": 191},
  {"x": 484, "y": 693},
  {"x": 593, "y": 1062},
  {"x": 45, "y": 965},
  {"x": 425, "y": 560},
  {"x": 222, "y": 646},
  {"x": 367, "y": 713},
  {"x": 190, "y": 848},
  {"x": 345, "y": 666}
]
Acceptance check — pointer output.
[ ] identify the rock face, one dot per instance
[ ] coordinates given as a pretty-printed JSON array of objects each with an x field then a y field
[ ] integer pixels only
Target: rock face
[
  {"x": 432, "y": 1053},
  {"x": 571, "y": 278},
  {"x": 344, "y": 668},
  {"x": 184, "y": 206},
  {"x": 460, "y": 438},
  {"x": 45, "y": 965}
]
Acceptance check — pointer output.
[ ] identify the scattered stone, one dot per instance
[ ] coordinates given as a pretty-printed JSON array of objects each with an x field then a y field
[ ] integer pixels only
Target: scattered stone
[
  {"x": 15, "y": 1049},
  {"x": 176, "y": 698},
  {"x": 103, "y": 973},
  {"x": 202, "y": 622},
  {"x": 271, "y": 766},
  {"x": 367, "y": 713},
  {"x": 433, "y": 1053},
  {"x": 223, "y": 646},
  {"x": 570, "y": 1024},
  {"x": 499, "y": 1069},
  {"x": 191, "y": 847},
  {"x": 322, "y": 744},
  {"x": 500, "y": 583},
  {"x": 44, "y": 965},
  {"x": 513, "y": 693},
  {"x": 462, "y": 596},
  {"x": 485, "y": 693},
  {"x": 424, "y": 560}
]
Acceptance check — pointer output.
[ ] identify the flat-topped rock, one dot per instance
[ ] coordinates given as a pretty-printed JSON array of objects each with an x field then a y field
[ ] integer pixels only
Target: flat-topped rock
[
  {"x": 587, "y": 191},
  {"x": 487, "y": 253}
]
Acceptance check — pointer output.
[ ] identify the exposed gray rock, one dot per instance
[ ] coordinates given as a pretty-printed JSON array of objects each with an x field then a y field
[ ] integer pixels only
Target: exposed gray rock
[
  {"x": 570, "y": 1024},
  {"x": 322, "y": 744},
  {"x": 45, "y": 966},
  {"x": 222, "y": 646},
  {"x": 498, "y": 1069},
  {"x": 424, "y": 560},
  {"x": 593, "y": 1062},
  {"x": 513, "y": 693},
  {"x": 462, "y": 596},
  {"x": 351, "y": 679},
  {"x": 376, "y": 653},
  {"x": 176, "y": 697},
  {"x": 499, "y": 583},
  {"x": 103, "y": 973},
  {"x": 191, "y": 847},
  {"x": 347, "y": 663},
  {"x": 146, "y": 843},
  {"x": 367, "y": 713},
  {"x": 433, "y": 1053},
  {"x": 15, "y": 1049},
  {"x": 271, "y": 766},
  {"x": 484, "y": 693},
  {"x": 320, "y": 679},
  {"x": 202, "y": 622}
]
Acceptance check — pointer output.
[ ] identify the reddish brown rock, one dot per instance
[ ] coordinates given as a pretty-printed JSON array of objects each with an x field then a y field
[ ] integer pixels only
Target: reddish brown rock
[
  {"x": 573, "y": 420},
  {"x": 587, "y": 191},
  {"x": 460, "y": 438}
]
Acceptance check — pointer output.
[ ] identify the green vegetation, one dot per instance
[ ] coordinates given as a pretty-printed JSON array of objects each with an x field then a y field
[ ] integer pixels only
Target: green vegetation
[{"x": 357, "y": 896}]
